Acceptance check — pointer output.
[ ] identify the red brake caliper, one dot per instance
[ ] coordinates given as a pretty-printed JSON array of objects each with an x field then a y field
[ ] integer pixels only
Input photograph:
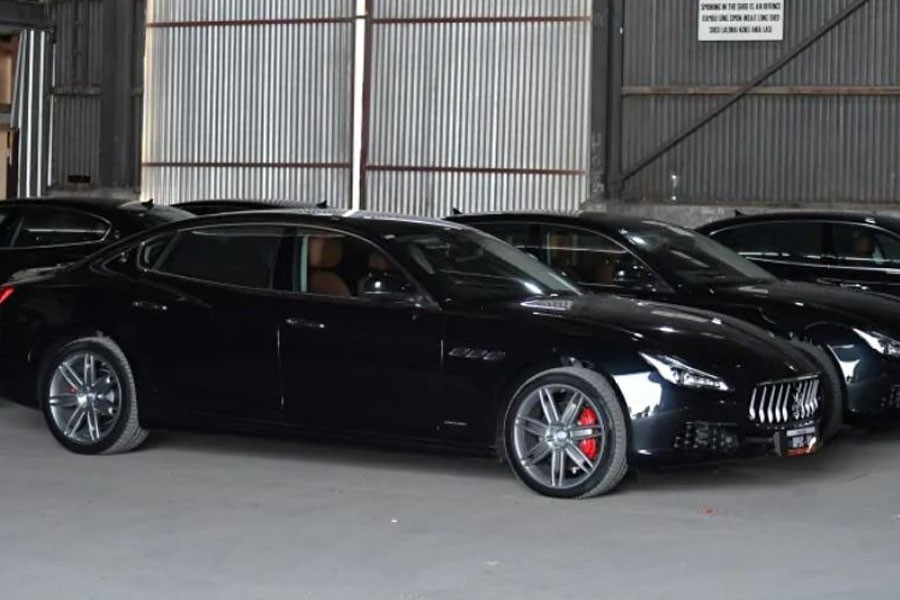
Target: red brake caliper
[{"x": 589, "y": 447}]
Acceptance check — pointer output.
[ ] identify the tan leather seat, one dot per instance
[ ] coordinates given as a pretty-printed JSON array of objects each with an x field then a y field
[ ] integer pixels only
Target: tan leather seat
[
  {"x": 378, "y": 263},
  {"x": 325, "y": 253}
]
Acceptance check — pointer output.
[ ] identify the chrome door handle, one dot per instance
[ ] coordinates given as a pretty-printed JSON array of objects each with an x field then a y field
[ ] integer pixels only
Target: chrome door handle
[
  {"x": 151, "y": 306},
  {"x": 854, "y": 286},
  {"x": 298, "y": 323}
]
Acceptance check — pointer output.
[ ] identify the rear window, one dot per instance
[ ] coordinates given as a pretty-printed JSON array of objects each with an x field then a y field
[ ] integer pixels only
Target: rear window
[{"x": 244, "y": 256}]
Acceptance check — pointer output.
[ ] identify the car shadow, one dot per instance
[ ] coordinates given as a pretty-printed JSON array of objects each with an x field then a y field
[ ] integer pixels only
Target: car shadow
[{"x": 853, "y": 455}]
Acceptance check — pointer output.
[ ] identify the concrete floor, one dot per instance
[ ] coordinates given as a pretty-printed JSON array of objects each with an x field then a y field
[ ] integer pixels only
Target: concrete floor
[{"x": 209, "y": 517}]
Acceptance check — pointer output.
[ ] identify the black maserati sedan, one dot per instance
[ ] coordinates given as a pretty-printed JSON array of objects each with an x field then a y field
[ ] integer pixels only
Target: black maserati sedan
[
  {"x": 854, "y": 337},
  {"x": 857, "y": 251},
  {"x": 374, "y": 327},
  {"x": 46, "y": 232}
]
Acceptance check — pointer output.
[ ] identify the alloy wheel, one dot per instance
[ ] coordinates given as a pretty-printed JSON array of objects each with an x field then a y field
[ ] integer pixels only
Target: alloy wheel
[
  {"x": 84, "y": 398},
  {"x": 559, "y": 436}
]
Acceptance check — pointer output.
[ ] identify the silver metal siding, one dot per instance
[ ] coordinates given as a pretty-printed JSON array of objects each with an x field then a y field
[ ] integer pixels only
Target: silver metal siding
[
  {"x": 247, "y": 110},
  {"x": 29, "y": 111},
  {"x": 479, "y": 97},
  {"x": 77, "y": 77},
  {"x": 770, "y": 149}
]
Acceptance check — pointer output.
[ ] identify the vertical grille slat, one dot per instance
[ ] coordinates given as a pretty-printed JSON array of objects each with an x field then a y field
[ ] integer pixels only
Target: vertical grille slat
[{"x": 783, "y": 402}]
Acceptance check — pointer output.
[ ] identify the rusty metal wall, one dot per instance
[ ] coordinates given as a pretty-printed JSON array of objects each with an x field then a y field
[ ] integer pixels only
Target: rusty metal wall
[
  {"x": 478, "y": 105},
  {"x": 245, "y": 98},
  {"x": 824, "y": 129}
]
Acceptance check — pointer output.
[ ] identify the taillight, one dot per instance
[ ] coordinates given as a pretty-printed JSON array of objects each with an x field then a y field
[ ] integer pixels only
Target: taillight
[{"x": 5, "y": 293}]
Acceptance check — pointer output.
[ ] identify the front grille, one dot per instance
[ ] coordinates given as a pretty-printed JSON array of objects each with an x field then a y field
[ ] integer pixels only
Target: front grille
[{"x": 781, "y": 402}]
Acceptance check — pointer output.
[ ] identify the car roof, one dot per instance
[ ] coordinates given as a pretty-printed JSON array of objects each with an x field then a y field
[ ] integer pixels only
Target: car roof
[
  {"x": 238, "y": 204},
  {"x": 363, "y": 222},
  {"x": 603, "y": 222},
  {"x": 888, "y": 221}
]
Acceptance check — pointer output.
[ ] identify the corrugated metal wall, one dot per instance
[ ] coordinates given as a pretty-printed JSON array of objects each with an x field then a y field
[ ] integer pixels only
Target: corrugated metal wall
[
  {"x": 77, "y": 80},
  {"x": 470, "y": 103},
  {"x": 479, "y": 105},
  {"x": 245, "y": 98},
  {"x": 822, "y": 129},
  {"x": 30, "y": 111}
]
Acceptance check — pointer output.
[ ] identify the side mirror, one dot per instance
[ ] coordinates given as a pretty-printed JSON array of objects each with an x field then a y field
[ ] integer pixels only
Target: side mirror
[{"x": 389, "y": 287}]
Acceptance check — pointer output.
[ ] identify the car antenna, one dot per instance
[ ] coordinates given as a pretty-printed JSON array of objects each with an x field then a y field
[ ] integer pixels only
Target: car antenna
[
  {"x": 148, "y": 202},
  {"x": 322, "y": 204},
  {"x": 456, "y": 212},
  {"x": 738, "y": 213}
]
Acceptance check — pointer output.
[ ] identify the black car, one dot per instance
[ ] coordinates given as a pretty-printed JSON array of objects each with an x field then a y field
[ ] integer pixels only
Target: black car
[
  {"x": 46, "y": 232},
  {"x": 371, "y": 327},
  {"x": 214, "y": 207},
  {"x": 852, "y": 336},
  {"x": 852, "y": 250}
]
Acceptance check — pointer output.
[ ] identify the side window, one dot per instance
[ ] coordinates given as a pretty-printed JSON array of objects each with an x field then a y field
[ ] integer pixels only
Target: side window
[
  {"x": 241, "y": 255},
  {"x": 859, "y": 245},
  {"x": 43, "y": 227},
  {"x": 342, "y": 266},
  {"x": 588, "y": 258},
  {"x": 796, "y": 241},
  {"x": 523, "y": 236}
]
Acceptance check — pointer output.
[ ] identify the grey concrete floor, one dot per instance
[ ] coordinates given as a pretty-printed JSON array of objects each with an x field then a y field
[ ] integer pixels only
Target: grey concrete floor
[{"x": 216, "y": 517}]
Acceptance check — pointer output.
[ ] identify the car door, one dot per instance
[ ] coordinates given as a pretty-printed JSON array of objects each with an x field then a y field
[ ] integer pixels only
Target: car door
[
  {"x": 864, "y": 257},
  {"x": 45, "y": 237},
  {"x": 203, "y": 319},
  {"x": 795, "y": 250},
  {"x": 360, "y": 346}
]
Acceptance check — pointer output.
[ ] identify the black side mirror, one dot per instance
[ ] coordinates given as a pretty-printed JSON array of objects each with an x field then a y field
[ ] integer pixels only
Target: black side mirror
[{"x": 389, "y": 287}]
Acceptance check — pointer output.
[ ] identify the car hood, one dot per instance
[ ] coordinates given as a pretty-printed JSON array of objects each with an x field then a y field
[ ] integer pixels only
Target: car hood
[
  {"x": 701, "y": 338},
  {"x": 810, "y": 302}
]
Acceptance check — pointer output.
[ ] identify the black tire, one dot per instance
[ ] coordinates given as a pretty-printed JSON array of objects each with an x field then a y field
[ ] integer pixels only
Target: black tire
[
  {"x": 611, "y": 465},
  {"x": 126, "y": 434},
  {"x": 833, "y": 391}
]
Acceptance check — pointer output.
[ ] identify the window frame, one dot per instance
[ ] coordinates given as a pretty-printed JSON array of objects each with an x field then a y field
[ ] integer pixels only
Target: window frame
[
  {"x": 663, "y": 283},
  {"x": 154, "y": 270},
  {"x": 827, "y": 246},
  {"x": 536, "y": 230},
  {"x": 18, "y": 217},
  {"x": 290, "y": 241},
  {"x": 840, "y": 262},
  {"x": 301, "y": 228}
]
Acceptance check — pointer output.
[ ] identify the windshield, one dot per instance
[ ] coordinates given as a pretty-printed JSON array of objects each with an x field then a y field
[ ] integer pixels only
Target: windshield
[
  {"x": 691, "y": 257},
  {"x": 469, "y": 265}
]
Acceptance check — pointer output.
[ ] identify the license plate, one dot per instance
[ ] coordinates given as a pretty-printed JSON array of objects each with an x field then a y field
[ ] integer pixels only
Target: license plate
[{"x": 797, "y": 442}]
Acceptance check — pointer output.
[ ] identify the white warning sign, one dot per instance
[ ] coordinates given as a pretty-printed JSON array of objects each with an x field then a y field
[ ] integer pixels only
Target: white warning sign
[{"x": 741, "y": 21}]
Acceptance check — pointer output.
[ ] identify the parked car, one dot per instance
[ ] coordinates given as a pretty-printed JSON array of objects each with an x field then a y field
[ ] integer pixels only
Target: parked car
[
  {"x": 214, "y": 207},
  {"x": 372, "y": 327},
  {"x": 41, "y": 234},
  {"x": 852, "y": 336},
  {"x": 852, "y": 250}
]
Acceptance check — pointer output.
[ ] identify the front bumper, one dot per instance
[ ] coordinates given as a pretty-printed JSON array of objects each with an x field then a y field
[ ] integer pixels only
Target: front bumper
[
  {"x": 873, "y": 386},
  {"x": 695, "y": 426}
]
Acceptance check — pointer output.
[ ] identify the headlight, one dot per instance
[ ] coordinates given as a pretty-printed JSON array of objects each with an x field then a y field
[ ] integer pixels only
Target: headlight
[
  {"x": 676, "y": 372},
  {"x": 881, "y": 344}
]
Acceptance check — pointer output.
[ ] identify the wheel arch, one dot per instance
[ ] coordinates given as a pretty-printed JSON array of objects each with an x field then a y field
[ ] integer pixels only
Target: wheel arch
[
  {"x": 528, "y": 371},
  {"x": 47, "y": 345}
]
